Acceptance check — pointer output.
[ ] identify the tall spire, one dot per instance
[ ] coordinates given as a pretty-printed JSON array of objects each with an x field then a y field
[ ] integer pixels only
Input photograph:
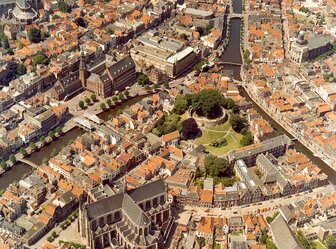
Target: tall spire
[{"x": 82, "y": 69}]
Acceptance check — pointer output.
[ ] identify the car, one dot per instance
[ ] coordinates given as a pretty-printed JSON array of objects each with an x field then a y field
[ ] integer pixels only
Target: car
[
  {"x": 235, "y": 212},
  {"x": 207, "y": 211}
]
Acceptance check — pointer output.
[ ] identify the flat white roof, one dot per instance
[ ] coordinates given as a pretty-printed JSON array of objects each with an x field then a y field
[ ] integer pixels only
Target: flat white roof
[{"x": 180, "y": 55}]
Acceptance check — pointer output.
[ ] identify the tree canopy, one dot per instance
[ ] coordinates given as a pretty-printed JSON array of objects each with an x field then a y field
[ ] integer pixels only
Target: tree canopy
[
  {"x": 21, "y": 69},
  {"x": 34, "y": 35},
  {"x": 216, "y": 166},
  {"x": 189, "y": 128},
  {"x": 330, "y": 242},
  {"x": 40, "y": 59},
  {"x": 180, "y": 105},
  {"x": 64, "y": 7},
  {"x": 247, "y": 139},
  {"x": 167, "y": 124},
  {"x": 237, "y": 123},
  {"x": 143, "y": 80},
  {"x": 208, "y": 103}
]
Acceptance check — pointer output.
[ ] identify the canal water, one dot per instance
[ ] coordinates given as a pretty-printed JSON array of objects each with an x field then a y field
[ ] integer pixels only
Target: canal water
[
  {"x": 232, "y": 55},
  {"x": 298, "y": 146},
  {"x": 21, "y": 169}
]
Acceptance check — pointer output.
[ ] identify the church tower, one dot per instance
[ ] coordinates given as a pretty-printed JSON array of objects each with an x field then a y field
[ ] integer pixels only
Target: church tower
[{"x": 83, "y": 74}]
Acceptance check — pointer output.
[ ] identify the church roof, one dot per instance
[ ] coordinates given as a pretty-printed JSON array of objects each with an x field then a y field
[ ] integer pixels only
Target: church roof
[
  {"x": 134, "y": 212},
  {"x": 128, "y": 202}
]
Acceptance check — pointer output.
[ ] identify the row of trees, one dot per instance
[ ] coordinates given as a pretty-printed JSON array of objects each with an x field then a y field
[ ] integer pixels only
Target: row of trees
[
  {"x": 93, "y": 98},
  {"x": 121, "y": 96}
]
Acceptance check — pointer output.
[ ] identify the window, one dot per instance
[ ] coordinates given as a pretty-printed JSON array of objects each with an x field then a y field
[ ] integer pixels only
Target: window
[
  {"x": 117, "y": 215},
  {"x": 148, "y": 205},
  {"x": 109, "y": 219},
  {"x": 93, "y": 225},
  {"x": 162, "y": 199},
  {"x": 155, "y": 202},
  {"x": 101, "y": 222}
]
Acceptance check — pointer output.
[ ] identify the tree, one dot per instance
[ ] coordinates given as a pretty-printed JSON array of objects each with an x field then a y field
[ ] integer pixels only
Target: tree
[
  {"x": 237, "y": 123},
  {"x": 166, "y": 85},
  {"x": 180, "y": 105},
  {"x": 228, "y": 103},
  {"x": 110, "y": 31},
  {"x": 115, "y": 98},
  {"x": 34, "y": 35},
  {"x": 45, "y": 161},
  {"x": 54, "y": 17},
  {"x": 40, "y": 59},
  {"x": 81, "y": 22},
  {"x": 235, "y": 109},
  {"x": 64, "y": 7},
  {"x": 50, "y": 239},
  {"x": 229, "y": 181},
  {"x": 215, "y": 166},
  {"x": 93, "y": 97},
  {"x": 306, "y": 244},
  {"x": 42, "y": 139},
  {"x": 109, "y": 102},
  {"x": 189, "y": 128},
  {"x": 3, "y": 165},
  {"x": 102, "y": 106},
  {"x": 167, "y": 124},
  {"x": 20, "y": 44},
  {"x": 119, "y": 112},
  {"x": 23, "y": 152},
  {"x": 330, "y": 242},
  {"x": 143, "y": 80},
  {"x": 58, "y": 129},
  {"x": 247, "y": 139},
  {"x": 121, "y": 96},
  {"x": 51, "y": 134},
  {"x": 33, "y": 146},
  {"x": 270, "y": 244},
  {"x": 263, "y": 239},
  {"x": 5, "y": 43},
  {"x": 127, "y": 93},
  {"x": 87, "y": 100},
  {"x": 183, "y": 36},
  {"x": 201, "y": 241},
  {"x": 12, "y": 158},
  {"x": 54, "y": 234},
  {"x": 208, "y": 103},
  {"x": 21, "y": 69},
  {"x": 81, "y": 104}
]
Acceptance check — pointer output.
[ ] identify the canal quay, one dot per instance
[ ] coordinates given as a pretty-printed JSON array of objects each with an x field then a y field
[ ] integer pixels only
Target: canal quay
[
  {"x": 231, "y": 57},
  {"x": 18, "y": 171}
]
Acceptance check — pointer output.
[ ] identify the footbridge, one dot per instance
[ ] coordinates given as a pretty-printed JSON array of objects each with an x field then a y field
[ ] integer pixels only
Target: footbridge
[{"x": 28, "y": 162}]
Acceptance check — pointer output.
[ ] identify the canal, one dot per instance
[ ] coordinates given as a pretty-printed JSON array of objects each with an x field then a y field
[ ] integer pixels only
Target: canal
[
  {"x": 21, "y": 169},
  {"x": 232, "y": 56},
  {"x": 298, "y": 146}
]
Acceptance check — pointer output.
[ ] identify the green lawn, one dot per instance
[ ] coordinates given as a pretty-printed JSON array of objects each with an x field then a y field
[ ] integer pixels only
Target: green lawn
[
  {"x": 214, "y": 133},
  {"x": 209, "y": 136},
  {"x": 232, "y": 144}
]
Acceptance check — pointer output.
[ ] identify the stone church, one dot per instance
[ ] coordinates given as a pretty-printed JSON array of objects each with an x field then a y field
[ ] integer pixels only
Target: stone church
[{"x": 138, "y": 218}]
